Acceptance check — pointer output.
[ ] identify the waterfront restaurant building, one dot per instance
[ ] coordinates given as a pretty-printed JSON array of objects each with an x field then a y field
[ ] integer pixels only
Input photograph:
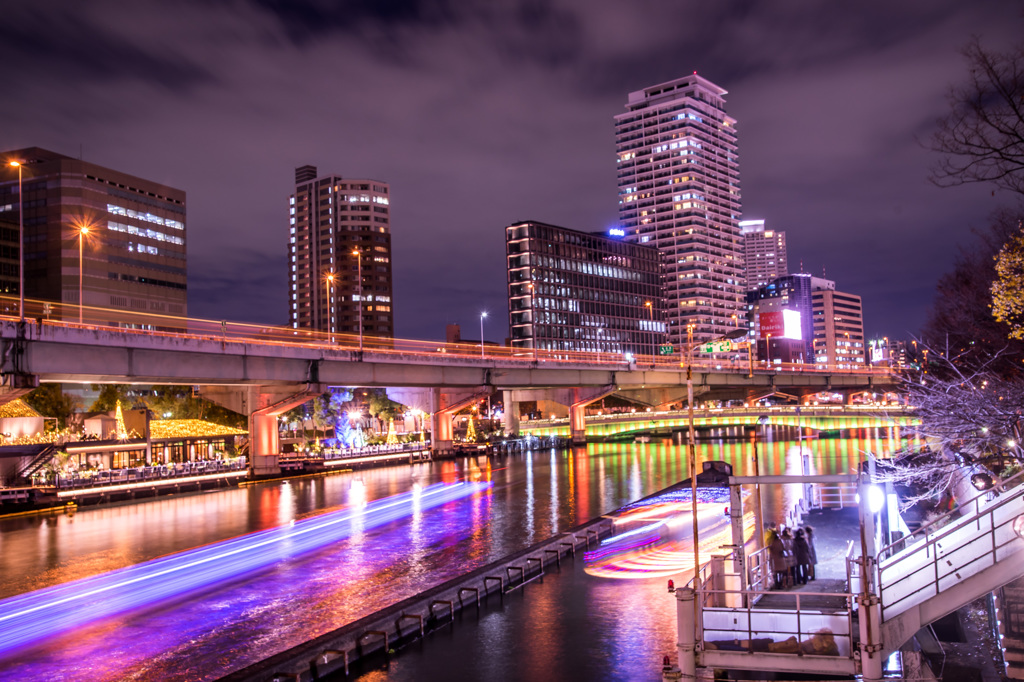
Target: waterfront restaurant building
[{"x": 579, "y": 291}]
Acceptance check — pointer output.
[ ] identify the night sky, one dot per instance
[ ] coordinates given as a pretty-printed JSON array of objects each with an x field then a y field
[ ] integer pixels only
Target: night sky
[{"x": 484, "y": 113}]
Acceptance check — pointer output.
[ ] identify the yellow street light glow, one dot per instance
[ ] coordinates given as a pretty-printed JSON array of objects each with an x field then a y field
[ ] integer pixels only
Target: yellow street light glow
[{"x": 13, "y": 164}]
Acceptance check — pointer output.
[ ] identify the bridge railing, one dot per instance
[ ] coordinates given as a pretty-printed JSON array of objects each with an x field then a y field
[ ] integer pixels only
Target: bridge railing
[{"x": 129, "y": 321}]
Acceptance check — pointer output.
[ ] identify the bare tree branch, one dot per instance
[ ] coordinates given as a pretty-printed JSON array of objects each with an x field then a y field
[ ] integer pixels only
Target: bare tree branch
[
  {"x": 971, "y": 420},
  {"x": 982, "y": 138}
]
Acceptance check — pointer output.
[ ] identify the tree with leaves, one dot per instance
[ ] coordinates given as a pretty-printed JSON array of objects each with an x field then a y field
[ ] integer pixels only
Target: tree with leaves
[
  {"x": 109, "y": 396},
  {"x": 1008, "y": 287},
  {"x": 382, "y": 408},
  {"x": 50, "y": 401},
  {"x": 960, "y": 323},
  {"x": 981, "y": 139},
  {"x": 179, "y": 402}
]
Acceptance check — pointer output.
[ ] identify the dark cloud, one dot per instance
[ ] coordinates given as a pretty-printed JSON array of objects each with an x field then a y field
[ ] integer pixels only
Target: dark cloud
[
  {"x": 39, "y": 43},
  {"x": 483, "y": 113}
]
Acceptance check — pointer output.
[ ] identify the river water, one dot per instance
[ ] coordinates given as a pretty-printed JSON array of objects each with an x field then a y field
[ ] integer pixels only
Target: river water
[{"x": 204, "y": 635}]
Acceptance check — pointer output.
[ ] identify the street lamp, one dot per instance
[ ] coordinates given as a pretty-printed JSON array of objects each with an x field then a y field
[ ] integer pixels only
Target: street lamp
[
  {"x": 759, "y": 515},
  {"x": 650, "y": 309},
  {"x": 329, "y": 281},
  {"x": 692, "y": 446},
  {"x": 533, "y": 322},
  {"x": 359, "y": 307},
  {"x": 83, "y": 232},
  {"x": 21, "y": 244},
  {"x": 482, "y": 316}
]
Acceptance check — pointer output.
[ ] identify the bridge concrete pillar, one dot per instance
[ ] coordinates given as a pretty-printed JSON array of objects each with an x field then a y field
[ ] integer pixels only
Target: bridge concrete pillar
[
  {"x": 581, "y": 397},
  {"x": 440, "y": 423},
  {"x": 263, "y": 405},
  {"x": 443, "y": 407},
  {"x": 511, "y": 407},
  {"x": 577, "y": 423}
]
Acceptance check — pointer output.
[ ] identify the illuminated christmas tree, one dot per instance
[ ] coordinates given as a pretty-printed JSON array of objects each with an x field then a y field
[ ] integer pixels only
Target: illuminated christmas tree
[
  {"x": 392, "y": 436},
  {"x": 470, "y": 431},
  {"x": 122, "y": 432}
]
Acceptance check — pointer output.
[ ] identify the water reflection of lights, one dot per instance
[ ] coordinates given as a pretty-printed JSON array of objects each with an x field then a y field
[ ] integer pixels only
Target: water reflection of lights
[
  {"x": 33, "y": 616},
  {"x": 661, "y": 545},
  {"x": 357, "y": 493}
]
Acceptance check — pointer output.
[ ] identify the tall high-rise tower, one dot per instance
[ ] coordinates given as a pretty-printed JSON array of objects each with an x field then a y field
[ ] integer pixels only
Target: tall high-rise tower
[
  {"x": 340, "y": 230},
  {"x": 764, "y": 253},
  {"x": 679, "y": 190}
]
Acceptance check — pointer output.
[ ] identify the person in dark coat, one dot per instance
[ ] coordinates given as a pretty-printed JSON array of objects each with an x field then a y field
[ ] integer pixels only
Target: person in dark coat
[
  {"x": 787, "y": 543},
  {"x": 777, "y": 555},
  {"x": 802, "y": 554},
  {"x": 810, "y": 544}
]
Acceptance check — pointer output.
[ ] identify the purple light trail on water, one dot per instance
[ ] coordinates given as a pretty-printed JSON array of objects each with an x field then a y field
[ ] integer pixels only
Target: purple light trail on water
[{"x": 28, "y": 618}]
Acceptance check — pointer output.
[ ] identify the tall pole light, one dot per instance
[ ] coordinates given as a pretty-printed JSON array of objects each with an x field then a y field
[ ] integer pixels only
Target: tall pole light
[
  {"x": 650, "y": 309},
  {"x": 359, "y": 275},
  {"x": 21, "y": 244},
  {"x": 482, "y": 316},
  {"x": 692, "y": 447},
  {"x": 533, "y": 322},
  {"x": 83, "y": 232},
  {"x": 329, "y": 281}
]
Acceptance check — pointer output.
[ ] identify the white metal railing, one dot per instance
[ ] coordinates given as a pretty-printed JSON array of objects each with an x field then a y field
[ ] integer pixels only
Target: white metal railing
[
  {"x": 948, "y": 550},
  {"x": 833, "y": 495},
  {"x": 792, "y": 629},
  {"x": 140, "y": 474},
  {"x": 760, "y": 577}
]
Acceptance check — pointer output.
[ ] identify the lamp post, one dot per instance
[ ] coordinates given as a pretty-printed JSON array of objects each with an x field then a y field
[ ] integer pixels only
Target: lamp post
[
  {"x": 329, "y": 282},
  {"x": 768, "y": 349},
  {"x": 533, "y": 322},
  {"x": 692, "y": 446},
  {"x": 359, "y": 307},
  {"x": 650, "y": 309},
  {"x": 83, "y": 232},
  {"x": 482, "y": 316},
  {"x": 759, "y": 513},
  {"x": 21, "y": 244}
]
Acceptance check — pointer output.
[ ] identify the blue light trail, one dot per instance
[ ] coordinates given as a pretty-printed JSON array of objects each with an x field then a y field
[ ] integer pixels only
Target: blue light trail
[{"x": 31, "y": 617}]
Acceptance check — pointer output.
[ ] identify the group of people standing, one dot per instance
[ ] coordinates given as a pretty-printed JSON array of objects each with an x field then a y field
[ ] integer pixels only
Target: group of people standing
[{"x": 792, "y": 555}]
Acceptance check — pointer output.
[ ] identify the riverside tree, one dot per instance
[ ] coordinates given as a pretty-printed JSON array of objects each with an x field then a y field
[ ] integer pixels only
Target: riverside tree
[
  {"x": 1008, "y": 287},
  {"x": 981, "y": 139}
]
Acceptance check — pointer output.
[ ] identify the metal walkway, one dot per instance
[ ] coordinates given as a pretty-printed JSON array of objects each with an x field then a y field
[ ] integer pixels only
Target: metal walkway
[{"x": 851, "y": 628}]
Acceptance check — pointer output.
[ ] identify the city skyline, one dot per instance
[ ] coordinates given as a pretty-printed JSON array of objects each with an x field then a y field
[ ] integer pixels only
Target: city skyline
[{"x": 482, "y": 115}]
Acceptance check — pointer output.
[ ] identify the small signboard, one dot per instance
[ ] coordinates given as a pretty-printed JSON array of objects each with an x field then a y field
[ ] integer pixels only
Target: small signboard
[{"x": 722, "y": 346}]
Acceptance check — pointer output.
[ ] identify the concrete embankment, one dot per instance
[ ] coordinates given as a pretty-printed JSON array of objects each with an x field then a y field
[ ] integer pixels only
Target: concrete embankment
[{"x": 412, "y": 618}]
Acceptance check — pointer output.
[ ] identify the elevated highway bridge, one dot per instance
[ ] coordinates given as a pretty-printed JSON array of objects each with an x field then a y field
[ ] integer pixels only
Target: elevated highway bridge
[{"x": 264, "y": 371}]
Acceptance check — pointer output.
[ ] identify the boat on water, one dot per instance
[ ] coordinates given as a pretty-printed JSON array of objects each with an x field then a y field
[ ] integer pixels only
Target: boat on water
[{"x": 654, "y": 537}]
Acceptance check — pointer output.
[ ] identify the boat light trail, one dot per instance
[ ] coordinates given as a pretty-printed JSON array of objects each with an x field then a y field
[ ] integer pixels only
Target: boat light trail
[
  {"x": 33, "y": 616},
  {"x": 662, "y": 545}
]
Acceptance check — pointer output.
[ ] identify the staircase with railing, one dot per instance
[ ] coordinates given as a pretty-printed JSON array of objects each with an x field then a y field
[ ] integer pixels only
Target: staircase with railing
[
  {"x": 912, "y": 582},
  {"x": 950, "y": 562},
  {"x": 38, "y": 461}
]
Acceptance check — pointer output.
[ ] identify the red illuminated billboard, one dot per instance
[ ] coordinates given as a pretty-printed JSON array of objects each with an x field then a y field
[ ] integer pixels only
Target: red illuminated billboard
[{"x": 772, "y": 323}]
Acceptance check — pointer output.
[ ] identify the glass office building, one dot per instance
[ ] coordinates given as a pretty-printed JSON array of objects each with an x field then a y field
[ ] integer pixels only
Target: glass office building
[{"x": 580, "y": 291}]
